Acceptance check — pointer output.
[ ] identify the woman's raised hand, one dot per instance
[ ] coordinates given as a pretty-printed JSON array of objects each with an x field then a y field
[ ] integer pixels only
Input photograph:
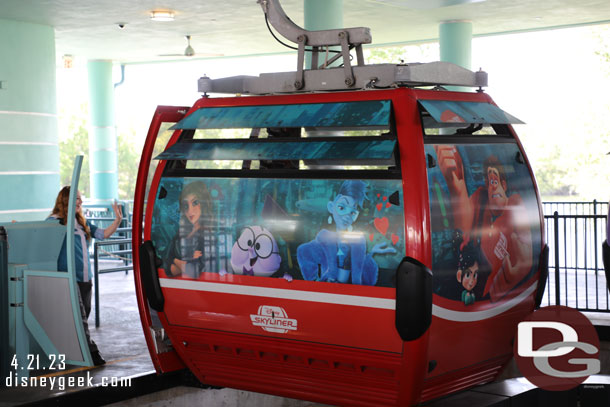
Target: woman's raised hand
[{"x": 118, "y": 211}]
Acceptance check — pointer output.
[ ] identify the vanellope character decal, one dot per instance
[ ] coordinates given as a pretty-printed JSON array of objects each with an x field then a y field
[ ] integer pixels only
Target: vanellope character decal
[
  {"x": 342, "y": 256},
  {"x": 468, "y": 271}
]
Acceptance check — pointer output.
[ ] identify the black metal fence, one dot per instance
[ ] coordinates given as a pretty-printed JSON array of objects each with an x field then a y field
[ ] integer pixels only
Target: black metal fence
[{"x": 575, "y": 232}]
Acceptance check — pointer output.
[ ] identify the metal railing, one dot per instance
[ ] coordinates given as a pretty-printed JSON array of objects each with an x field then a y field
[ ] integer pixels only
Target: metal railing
[
  {"x": 117, "y": 247},
  {"x": 594, "y": 207},
  {"x": 123, "y": 253},
  {"x": 575, "y": 232}
]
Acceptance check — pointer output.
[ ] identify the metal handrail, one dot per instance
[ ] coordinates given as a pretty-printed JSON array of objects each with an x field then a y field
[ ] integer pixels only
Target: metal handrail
[
  {"x": 112, "y": 242},
  {"x": 114, "y": 269}
]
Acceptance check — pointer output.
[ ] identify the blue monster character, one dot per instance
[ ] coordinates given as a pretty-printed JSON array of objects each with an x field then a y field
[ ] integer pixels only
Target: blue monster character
[{"x": 341, "y": 255}]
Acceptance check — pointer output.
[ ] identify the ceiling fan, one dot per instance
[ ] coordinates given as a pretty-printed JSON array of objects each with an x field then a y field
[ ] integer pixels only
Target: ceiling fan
[{"x": 189, "y": 51}]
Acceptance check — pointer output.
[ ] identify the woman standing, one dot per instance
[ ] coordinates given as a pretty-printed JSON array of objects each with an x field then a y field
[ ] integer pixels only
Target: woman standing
[{"x": 83, "y": 232}]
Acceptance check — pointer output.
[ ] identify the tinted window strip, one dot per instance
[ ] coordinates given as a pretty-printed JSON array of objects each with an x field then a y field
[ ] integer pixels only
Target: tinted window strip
[
  {"x": 468, "y": 139},
  {"x": 284, "y": 173}
]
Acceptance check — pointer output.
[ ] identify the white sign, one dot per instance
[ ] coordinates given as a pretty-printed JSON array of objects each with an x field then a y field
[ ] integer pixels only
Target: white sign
[{"x": 273, "y": 319}]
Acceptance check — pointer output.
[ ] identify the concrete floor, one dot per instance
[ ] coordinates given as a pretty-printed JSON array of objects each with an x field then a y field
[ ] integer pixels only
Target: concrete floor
[
  {"x": 119, "y": 339},
  {"x": 122, "y": 344}
]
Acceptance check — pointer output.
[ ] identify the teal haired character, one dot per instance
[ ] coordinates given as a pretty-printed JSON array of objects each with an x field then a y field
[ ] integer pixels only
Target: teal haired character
[{"x": 342, "y": 256}]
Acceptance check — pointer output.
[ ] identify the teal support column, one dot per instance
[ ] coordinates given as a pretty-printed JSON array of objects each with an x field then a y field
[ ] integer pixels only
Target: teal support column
[
  {"x": 102, "y": 133},
  {"x": 455, "y": 43},
  {"x": 322, "y": 15},
  {"x": 29, "y": 152}
]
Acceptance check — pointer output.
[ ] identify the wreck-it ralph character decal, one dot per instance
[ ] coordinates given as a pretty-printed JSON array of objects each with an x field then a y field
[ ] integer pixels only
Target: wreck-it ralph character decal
[
  {"x": 485, "y": 222},
  {"x": 333, "y": 231}
]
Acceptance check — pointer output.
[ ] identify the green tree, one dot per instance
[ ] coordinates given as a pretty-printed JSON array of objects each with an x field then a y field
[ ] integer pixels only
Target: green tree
[
  {"x": 390, "y": 55},
  {"x": 74, "y": 140},
  {"x": 570, "y": 159},
  {"x": 552, "y": 178},
  {"x": 602, "y": 34},
  {"x": 401, "y": 54},
  {"x": 128, "y": 159}
]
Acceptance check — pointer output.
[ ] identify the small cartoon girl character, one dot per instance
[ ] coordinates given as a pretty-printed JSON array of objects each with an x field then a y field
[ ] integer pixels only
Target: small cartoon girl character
[
  {"x": 468, "y": 272},
  {"x": 185, "y": 253}
]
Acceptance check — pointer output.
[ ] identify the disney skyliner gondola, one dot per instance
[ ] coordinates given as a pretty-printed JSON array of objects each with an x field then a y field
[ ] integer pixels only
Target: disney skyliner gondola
[{"x": 355, "y": 235}]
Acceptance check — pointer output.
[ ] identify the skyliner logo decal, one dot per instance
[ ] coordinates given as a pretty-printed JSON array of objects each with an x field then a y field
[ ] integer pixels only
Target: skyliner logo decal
[{"x": 273, "y": 319}]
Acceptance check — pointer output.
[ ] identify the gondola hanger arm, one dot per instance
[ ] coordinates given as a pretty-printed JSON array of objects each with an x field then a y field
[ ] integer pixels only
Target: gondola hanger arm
[{"x": 289, "y": 30}]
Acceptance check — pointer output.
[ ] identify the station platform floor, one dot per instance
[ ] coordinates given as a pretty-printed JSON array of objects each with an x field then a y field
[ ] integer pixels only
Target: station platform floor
[
  {"x": 131, "y": 380},
  {"x": 119, "y": 339},
  {"x": 128, "y": 372}
]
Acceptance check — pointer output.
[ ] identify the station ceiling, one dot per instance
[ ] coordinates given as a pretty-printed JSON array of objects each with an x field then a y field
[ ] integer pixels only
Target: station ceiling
[{"x": 90, "y": 28}]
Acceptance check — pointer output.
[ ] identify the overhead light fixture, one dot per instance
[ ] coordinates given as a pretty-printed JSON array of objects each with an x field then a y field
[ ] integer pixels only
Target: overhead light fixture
[
  {"x": 162, "y": 15},
  {"x": 68, "y": 61}
]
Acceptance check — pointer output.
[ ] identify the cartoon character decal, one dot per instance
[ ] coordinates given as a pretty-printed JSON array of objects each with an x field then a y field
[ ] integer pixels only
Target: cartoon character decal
[
  {"x": 468, "y": 272},
  {"x": 185, "y": 253},
  {"x": 280, "y": 228},
  {"x": 484, "y": 195},
  {"x": 255, "y": 253},
  {"x": 342, "y": 256}
]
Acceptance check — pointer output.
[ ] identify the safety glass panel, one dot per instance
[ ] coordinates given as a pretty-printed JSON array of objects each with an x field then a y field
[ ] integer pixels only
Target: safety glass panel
[
  {"x": 459, "y": 113},
  {"x": 333, "y": 231},
  {"x": 365, "y": 114},
  {"x": 485, "y": 223}
]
